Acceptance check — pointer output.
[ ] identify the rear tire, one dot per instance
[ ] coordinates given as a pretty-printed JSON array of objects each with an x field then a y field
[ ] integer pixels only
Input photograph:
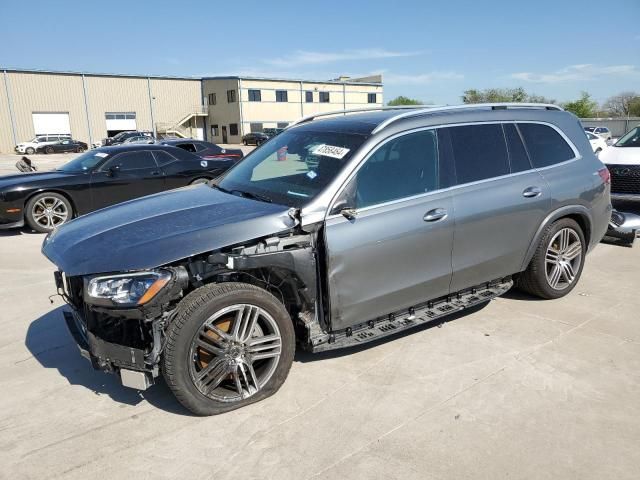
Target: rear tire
[
  {"x": 556, "y": 265},
  {"x": 245, "y": 143},
  {"x": 212, "y": 368}
]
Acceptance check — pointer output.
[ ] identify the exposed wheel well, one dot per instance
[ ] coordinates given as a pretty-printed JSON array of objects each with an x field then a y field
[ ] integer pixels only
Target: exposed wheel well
[
  {"x": 584, "y": 223},
  {"x": 63, "y": 194}
]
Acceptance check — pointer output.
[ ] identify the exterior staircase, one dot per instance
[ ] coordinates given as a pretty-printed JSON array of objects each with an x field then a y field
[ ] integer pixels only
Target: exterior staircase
[{"x": 182, "y": 128}]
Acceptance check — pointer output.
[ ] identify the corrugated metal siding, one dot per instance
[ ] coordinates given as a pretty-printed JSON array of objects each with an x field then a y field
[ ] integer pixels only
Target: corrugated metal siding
[
  {"x": 116, "y": 94},
  {"x": 6, "y": 136},
  {"x": 33, "y": 92},
  {"x": 174, "y": 99}
]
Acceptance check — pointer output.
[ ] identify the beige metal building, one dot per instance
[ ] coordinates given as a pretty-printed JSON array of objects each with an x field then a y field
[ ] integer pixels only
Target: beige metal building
[
  {"x": 90, "y": 107},
  {"x": 238, "y": 105}
]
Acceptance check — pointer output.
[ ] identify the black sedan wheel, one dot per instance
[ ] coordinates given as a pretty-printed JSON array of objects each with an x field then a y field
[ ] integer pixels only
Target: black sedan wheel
[
  {"x": 245, "y": 143},
  {"x": 48, "y": 149},
  {"x": 79, "y": 150},
  {"x": 230, "y": 345},
  {"x": 48, "y": 210}
]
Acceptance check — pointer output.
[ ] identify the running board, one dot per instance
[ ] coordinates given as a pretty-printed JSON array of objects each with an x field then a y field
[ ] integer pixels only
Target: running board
[{"x": 414, "y": 317}]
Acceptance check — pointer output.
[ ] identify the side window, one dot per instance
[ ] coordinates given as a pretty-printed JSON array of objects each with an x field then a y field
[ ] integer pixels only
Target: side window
[
  {"x": 403, "y": 167},
  {"x": 233, "y": 129},
  {"x": 281, "y": 96},
  {"x": 163, "y": 157},
  {"x": 132, "y": 161},
  {"x": 517, "y": 154},
  {"x": 323, "y": 97},
  {"x": 308, "y": 97},
  {"x": 189, "y": 147},
  {"x": 479, "y": 152},
  {"x": 544, "y": 144}
]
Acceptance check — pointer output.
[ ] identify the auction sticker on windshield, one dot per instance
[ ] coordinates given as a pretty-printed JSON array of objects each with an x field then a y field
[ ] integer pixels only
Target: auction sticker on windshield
[
  {"x": 330, "y": 151},
  {"x": 101, "y": 154}
]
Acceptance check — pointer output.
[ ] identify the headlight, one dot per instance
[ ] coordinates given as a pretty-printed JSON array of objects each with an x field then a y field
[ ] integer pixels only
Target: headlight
[{"x": 128, "y": 289}]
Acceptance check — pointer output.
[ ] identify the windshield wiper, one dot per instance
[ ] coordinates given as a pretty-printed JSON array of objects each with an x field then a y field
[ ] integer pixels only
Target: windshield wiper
[{"x": 254, "y": 196}]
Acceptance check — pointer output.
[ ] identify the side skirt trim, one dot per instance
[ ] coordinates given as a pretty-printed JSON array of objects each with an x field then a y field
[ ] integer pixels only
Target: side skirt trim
[{"x": 399, "y": 322}]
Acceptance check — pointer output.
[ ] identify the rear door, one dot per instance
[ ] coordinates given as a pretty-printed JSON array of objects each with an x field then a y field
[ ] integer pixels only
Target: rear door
[
  {"x": 125, "y": 176},
  {"x": 500, "y": 201},
  {"x": 395, "y": 252}
]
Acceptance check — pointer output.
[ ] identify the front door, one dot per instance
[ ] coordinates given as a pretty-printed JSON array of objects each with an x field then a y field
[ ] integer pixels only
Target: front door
[
  {"x": 394, "y": 250},
  {"x": 124, "y": 177},
  {"x": 224, "y": 134}
]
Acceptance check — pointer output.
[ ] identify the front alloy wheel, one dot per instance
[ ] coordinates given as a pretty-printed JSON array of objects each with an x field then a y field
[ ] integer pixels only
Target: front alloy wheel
[
  {"x": 229, "y": 345},
  {"x": 47, "y": 211}
]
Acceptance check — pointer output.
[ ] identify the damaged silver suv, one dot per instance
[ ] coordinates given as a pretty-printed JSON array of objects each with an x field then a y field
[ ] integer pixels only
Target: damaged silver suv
[{"x": 341, "y": 230}]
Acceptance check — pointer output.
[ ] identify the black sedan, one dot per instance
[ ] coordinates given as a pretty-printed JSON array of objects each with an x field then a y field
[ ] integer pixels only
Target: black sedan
[
  {"x": 63, "y": 146},
  {"x": 255, "y": 138},
  {"x": 97, "y": 179},
  {"x": 206, "y": 150}
]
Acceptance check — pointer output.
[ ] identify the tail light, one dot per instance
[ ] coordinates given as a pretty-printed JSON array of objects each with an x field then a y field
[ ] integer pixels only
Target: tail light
[{"x": 605, "y": 175}]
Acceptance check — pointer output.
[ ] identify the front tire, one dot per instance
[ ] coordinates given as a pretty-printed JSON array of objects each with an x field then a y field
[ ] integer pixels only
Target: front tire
[
  {"x": 30, "y": 151},
  {"x": 79, "y": 150},
  {"x": 48, "y": 150},
  {"x": 557, "y": 263},
  {"x": 230, "y": 345},
  {"x": 47, "y": 210}
]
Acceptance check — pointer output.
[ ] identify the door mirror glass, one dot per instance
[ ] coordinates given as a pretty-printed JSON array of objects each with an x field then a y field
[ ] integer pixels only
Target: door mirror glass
[{"x": 112, "y": 170}]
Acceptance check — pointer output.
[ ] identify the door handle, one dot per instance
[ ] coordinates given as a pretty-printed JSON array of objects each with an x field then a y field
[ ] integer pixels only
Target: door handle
[
  {"x": 531, "y": 192},
  {"x": 435, "y": 215},
  {"x": 155, "y": 173}
]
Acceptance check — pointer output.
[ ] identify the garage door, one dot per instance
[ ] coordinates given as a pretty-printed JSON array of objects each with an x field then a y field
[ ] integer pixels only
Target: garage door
[
  {"x": 47, "y": 123},
  {"x": 120, "y": 121}
]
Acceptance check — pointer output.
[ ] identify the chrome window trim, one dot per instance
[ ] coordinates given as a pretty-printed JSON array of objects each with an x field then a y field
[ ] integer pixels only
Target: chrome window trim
[{"x": 379, "y": 145}]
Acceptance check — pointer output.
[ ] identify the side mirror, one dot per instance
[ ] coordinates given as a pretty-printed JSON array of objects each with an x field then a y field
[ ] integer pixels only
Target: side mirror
[
  {"x": 111, "y": 171},
  {"x": 349, "y": 213}
]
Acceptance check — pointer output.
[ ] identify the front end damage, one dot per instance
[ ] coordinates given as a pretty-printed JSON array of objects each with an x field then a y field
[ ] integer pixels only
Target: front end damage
[{"x": 129, "y": 341}]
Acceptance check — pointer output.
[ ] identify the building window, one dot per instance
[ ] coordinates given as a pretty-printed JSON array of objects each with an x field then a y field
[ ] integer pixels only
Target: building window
[
  {"x": 120, "y": 115},
  {"x": 231, "y": 96},
  {"x": 233, "y": 127},
  {"x": 324, "y": 97},
  {"x": 215, "y": 131},
  {"x": 283, "y": 124},
  {"x": 255, "y": 127},
  {"x": 212, "y": 99},
  {"x": 371, "y": 98},
  {"x": 255, "y": 96},
  {"x": 308, "y": 97},
  {"x": 281, "y": 96}
]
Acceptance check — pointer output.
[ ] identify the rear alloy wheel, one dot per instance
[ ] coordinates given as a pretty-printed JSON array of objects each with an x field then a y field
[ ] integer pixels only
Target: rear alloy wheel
[
  {"x": 231, "y": 344},
  {"x": 557, "y": 263},
  {"x": 48, "y": 210}
]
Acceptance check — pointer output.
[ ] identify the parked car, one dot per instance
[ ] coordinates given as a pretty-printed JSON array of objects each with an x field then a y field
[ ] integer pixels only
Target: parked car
[
  {"x": 97, "y": 179},
  {"x": 32, "y": 145},
  {"x": 407, "y": 216},
  {"x": 602, "y": 132},
  {"x": 119, "y": 138},
  {"x": 206, "y": 150},
  {"x": 66, "y": 145},
  {"x": 597, "y": 144},
  {"x": 139, "y": 139},
  {"x": 623, "y": 161},
  {"x": 272, "y": 132},
  {"x": 255, "y": 138}
]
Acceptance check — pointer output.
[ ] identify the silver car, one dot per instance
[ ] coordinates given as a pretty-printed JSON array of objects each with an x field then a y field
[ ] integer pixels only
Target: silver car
[{"x": 340, "y": 230}]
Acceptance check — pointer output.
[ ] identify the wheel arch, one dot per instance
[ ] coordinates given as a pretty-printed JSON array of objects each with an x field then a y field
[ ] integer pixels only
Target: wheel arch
[
  {"x": 66, "y": 195},
  {"x": 579, "y": 213}
]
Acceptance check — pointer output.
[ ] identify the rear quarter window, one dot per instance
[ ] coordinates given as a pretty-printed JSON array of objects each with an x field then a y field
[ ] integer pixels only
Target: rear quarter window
[{"x": 545, "y": 145}]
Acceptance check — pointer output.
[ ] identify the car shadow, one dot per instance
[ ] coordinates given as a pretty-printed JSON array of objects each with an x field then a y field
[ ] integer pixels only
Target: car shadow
[
  {"x": 305, "y": 356},
  {"x": 52, "y": 346}
]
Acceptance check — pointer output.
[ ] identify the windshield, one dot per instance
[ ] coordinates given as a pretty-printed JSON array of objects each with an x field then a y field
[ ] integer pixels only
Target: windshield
[
  {"x": 294, "y": 167},
  {"x": 84, "y": 162},
  {"x": 630, "y": 139}
]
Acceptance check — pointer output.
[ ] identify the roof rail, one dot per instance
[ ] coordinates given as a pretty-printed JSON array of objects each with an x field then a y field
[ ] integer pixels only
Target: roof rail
[
  {"x": 359, "y": 110},
  {"x": 468, "y": 106}
]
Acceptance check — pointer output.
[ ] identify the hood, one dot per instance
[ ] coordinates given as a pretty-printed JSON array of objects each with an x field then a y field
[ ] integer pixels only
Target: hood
[
  {"x": 621, "y": 156},
  {"x": 160, "y": 229},
  {"x": 25, "y": 178}
]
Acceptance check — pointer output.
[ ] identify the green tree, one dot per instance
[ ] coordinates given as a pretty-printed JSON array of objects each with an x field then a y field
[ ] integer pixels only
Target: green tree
[
  {"x": 403, "y": 101},
  {"x": 497, "y": 95},
  {"x": 584, "y": 107}
]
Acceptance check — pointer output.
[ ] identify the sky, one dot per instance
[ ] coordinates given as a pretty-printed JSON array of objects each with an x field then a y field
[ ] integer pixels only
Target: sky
[{"x": 429, "y": 50}]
